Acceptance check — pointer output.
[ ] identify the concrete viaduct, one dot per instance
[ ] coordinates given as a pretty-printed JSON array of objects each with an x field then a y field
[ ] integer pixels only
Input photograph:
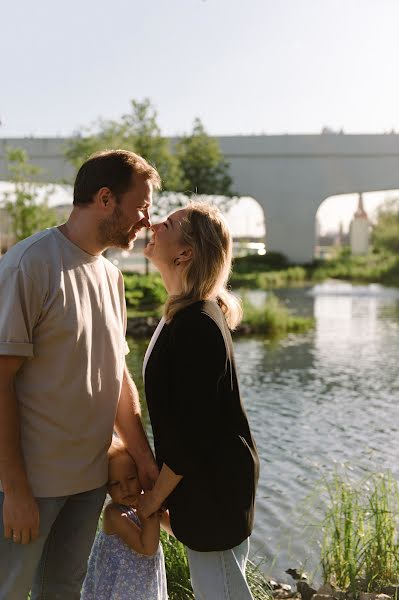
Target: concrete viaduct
[{"x": 289, "y": 175}]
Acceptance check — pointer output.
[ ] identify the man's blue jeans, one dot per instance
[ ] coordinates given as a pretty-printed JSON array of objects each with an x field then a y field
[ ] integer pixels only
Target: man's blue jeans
[{"x": 54, "y": 566}]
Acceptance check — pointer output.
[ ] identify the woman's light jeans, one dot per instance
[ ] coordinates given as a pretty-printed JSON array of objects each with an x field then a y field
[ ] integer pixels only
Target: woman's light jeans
[{"x": 220, "y": 575}]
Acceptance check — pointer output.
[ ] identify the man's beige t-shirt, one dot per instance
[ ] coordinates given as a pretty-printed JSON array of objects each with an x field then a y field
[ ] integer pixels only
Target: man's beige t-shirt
[{"x": 64, "y": 310}]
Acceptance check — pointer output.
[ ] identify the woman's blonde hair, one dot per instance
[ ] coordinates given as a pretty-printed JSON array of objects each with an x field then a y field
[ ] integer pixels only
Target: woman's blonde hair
[{"x": 206, "y": 232}]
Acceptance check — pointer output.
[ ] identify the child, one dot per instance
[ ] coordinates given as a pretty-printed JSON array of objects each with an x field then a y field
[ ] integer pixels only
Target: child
[{"x": 126, "y": 560}]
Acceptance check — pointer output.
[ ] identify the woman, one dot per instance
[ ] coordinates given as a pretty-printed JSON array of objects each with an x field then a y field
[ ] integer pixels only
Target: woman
[{"x": 204, "y": 448}]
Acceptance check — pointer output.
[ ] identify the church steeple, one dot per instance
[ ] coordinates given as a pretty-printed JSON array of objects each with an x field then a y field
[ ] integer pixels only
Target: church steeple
[{"x": 360, "y": 212}]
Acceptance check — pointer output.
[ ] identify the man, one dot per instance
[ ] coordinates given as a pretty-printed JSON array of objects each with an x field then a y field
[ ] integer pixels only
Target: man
[{"x": 64, "y": 384}]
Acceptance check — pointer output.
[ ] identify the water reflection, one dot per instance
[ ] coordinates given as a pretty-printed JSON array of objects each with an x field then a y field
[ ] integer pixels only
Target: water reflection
[{"x": 330, "y": 396}]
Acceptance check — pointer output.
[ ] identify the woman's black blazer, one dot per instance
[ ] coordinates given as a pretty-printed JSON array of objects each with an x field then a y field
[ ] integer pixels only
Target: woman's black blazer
[{"x": 201, "y": 430}]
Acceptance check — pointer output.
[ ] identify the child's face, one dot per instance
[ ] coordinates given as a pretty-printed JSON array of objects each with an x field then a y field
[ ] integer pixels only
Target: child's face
[{"x": 123, "y": 484}]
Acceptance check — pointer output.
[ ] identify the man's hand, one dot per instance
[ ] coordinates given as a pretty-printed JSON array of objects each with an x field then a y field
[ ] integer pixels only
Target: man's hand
[
  {"x": 129, "y": 427},
  {"x": 148, "y": 504},
  {"x": 21, "y": 517},
  {"x": 148, "y": 472},
  {"x": 20, "y": 511}
]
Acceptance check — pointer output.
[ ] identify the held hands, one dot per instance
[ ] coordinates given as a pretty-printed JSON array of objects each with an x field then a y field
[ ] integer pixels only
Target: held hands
[
  {"x": 21, "y": 517},
  {"x": 148, "y": 505}
]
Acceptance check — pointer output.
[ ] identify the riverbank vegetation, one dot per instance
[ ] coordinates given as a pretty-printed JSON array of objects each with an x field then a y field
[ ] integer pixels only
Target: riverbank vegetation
[
  {"x": 272, "y": 319},
  {"x": 377, "y": 267},
  {"x": 380, "y": 267},
  {"x": 359, "y": 549},
  {"x": 360, "y": 545},
  {"x": 145, "y": 295}
]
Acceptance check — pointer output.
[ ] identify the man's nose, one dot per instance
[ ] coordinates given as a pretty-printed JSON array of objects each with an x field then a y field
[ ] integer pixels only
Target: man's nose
[{"x": 146, "y": 221}]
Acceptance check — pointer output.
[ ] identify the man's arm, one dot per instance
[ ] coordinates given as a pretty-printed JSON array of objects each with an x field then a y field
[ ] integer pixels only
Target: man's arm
[
  {"x": 20, "y": 511},
  {"x": 129, "y": 427}
]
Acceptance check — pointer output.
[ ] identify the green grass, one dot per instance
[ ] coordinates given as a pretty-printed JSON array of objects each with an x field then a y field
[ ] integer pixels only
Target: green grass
[
  {"x": 266, "y": 280},
  {"x": 360, "y": 539}
]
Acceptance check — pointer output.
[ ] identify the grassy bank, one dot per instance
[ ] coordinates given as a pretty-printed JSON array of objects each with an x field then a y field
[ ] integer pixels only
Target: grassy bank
[
  {"x": 373, "y": 268},
  {"x": 256, "y": 272},
  {"x": 360, "y": 545}
]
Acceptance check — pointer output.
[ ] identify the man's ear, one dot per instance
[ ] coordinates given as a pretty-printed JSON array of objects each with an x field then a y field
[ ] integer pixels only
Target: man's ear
[{"x": 104, "y": 198}]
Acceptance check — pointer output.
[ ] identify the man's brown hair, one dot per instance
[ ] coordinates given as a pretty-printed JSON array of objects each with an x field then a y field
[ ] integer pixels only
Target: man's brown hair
[{"x": 114, "y": 169}]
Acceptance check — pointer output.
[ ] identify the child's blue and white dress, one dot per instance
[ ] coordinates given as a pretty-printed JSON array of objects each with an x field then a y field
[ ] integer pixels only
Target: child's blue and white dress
[{"x": 116, "y": 572}]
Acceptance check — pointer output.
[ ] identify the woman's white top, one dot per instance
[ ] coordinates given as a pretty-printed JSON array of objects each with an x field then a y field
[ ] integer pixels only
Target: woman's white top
[{"x": 152, "y": 343}]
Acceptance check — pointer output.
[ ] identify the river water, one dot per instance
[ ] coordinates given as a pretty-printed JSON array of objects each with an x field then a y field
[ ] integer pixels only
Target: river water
[{"x": 326, "y": 398}]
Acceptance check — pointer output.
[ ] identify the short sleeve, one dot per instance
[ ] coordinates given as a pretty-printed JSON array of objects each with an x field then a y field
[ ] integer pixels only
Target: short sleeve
[{"x": 20, "y": 309}]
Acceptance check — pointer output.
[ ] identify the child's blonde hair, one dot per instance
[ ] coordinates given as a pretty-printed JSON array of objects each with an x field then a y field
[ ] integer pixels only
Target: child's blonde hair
[{"x": 116, "y": 448}]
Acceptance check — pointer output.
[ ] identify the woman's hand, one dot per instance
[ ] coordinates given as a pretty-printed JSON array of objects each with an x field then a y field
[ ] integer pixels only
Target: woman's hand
[{"x": 148, "y": 504}]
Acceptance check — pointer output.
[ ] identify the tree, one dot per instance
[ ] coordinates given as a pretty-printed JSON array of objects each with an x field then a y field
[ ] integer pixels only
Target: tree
[
  {"x": 204, "y": 168},
  {"x": 197, "y": 166},
  {"x": 137, "y": 131},
  {"x": 29, "y": 212},
  {"x": 385, "y": 234}
]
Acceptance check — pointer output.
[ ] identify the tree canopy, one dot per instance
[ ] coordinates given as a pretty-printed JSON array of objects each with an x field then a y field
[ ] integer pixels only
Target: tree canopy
[
  {"x": 386, "y": 230},
  {"x": 137, "y": 131},
  {"x": 196, "y": 167},
  {"x": 204, "y": 169}
]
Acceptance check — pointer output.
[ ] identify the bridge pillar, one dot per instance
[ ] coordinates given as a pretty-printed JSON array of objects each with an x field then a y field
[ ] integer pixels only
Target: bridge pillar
[{"x": 290, "y": 227}]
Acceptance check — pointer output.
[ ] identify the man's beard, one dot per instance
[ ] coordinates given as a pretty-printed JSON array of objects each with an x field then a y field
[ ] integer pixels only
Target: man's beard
[{"x": 111, "y": 232}]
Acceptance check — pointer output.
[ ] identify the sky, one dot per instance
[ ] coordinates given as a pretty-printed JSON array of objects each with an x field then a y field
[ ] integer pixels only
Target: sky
[
  {"x": 254, "y": 67},
  {"x": 260, "y": 66}
]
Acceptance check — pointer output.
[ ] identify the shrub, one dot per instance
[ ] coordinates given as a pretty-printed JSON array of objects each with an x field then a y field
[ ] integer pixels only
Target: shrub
[{"x": 144, "y": 292}]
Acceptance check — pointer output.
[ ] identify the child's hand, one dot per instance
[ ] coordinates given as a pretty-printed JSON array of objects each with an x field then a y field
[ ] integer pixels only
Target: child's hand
[{"x": 147, "y": 505}]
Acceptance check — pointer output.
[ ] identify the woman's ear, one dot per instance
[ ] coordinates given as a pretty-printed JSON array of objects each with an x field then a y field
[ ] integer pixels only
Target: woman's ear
[{"x": 186, "y": 255}]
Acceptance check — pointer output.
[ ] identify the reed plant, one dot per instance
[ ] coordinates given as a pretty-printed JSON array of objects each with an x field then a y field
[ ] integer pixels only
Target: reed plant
[{"x": 360, "y": 549}]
